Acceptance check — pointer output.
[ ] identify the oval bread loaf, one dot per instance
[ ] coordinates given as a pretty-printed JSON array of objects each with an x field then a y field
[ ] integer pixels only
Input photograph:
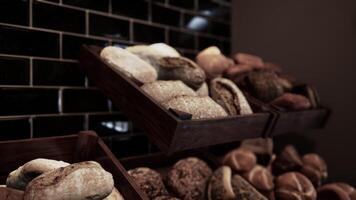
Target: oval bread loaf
[{"x": 80, "y": 181}]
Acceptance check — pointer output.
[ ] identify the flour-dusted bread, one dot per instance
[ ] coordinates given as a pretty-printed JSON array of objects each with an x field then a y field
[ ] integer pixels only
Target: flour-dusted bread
[
  {"x": 10, "y": 194},
  {"x": 203, "y": 91},
  {"x": 79, "y": 181},
  {"x": 199, "y": 107},
  {"x": 166, "y": 90},
  {"x": 146, "y": 53},
  {"x": 19, "y": 178},
  {"x": 165, "y": 50},
  {"x": 115, "y": 195},
  {"x": 129, "y": 64},
  {"x": 230, "y": 97}
]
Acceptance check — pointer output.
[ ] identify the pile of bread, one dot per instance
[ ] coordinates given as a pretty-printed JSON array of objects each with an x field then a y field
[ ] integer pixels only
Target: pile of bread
[
  {"x": 250, "y": 172},
  {"x": 177, "y": 82},
  {"x": 211, "y": 86},
  {"x": 45, "y": 179}
]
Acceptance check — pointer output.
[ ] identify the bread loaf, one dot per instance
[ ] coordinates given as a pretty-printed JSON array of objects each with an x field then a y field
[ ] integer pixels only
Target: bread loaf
[
  {"x": 199, "y": 107},
  {"x": 115, "y": 195},
  {"x": 129, "y": 64},
  {"x": 166, "y": 90},
  {"x": 80, "y": 181},
  {"x": 19, "y": 178},
  {"x": 165, "y": 50}
]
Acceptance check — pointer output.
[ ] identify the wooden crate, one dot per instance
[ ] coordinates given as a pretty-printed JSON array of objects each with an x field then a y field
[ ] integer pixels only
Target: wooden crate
[
  {"x": 169, "y": 132},
  {"x": 74, "y": 148}
]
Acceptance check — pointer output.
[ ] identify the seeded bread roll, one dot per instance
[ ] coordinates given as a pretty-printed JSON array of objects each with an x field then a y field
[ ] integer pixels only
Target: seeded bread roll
[
  {"x": 229, "y": 96},
  {"x": 181, "y": 68},
  {"x": 19, "y": 178},
  {"x": 166, "y": 90},
  {"x": 129, "y": 64},
  {"x": 199, "y": 107},
  {"x": 149, "y": 181},
  {"x": 188, "y": 177},
  {"x": 80, "y": 181}
]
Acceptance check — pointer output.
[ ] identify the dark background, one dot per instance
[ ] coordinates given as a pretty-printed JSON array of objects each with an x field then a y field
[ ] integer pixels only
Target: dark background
[{"x": 315, "y": 41}]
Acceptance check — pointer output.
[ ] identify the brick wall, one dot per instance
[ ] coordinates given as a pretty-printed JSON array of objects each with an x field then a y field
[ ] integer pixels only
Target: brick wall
[{"x": 43, "y": 92}]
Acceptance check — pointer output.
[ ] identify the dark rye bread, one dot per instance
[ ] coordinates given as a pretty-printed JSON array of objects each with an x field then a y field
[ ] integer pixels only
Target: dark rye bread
[
  {"x": 229, "y": 96},
  {"x": 165, "y": 90},
  {"x": 149, "y": 181},
  {"x": 181, "y": 68},
  {"x": 188, "y": 178},
  {"x": 85, "y": 180},
  {"x": 199, "y": 107}
]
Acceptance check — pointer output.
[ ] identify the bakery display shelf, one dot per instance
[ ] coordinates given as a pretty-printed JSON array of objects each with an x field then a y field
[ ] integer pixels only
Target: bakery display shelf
[
  {"x": 74, "y": 148},
  {"x": 171, "y": 131},
  {"x": 287, "y": 121}
]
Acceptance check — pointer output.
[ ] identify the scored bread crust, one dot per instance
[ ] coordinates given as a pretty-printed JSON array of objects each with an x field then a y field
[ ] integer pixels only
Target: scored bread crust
[
  {"x": 129, "y": 64},
  {"x": 20, "y": 177},
  {"x": 85, "y": 180},
  {"x": 166, "y": 90},
  {"x": 244, "y": 190},
  {"x": 230, "y": 97},
  {"x": 220, "y": 187},
  {"x": 199, "y": 107}
]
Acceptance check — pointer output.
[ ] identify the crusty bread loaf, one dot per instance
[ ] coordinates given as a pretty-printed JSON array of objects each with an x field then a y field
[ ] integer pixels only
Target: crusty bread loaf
[
  {"x": 129, "y": 64},
  {"x": 229, "y": 96},
  {"x": 19, "y": 178},
  {"x": 203, "y": 91},
  {"x": 166, "y": 90},
  {"x": 165, "y": 50},
  {"x": 181, "y": 68},
  {"x": 146, "y": 53},
  {"x": 199, "y": 107},
  {"x": 10, "y": 194},
  {"x": 115, "y": 195},
  {"x": 80, "y": 181}
]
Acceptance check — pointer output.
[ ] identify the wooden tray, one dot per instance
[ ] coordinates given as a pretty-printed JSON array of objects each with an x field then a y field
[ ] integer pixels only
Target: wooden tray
[
  {"x": 166, "y": 130},
  {"x": 291, "y": 121},
  {"x": 162, "y": 163},
  {"x": 75, "y": 148}
]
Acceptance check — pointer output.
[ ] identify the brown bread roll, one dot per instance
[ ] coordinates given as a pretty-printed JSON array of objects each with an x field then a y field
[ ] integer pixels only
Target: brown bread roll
[
  {"x": 261, "y": 178},
  {"x": 10, "y": 194},
  {"x": 288, "y": 160},
  {"x": 315, "y": 168},
  {"x": 230, "y": 97},
  {"x": 244, "y": 190},
  {"x": 19, "y": 178},
  {"x": 129, "y": 64},
  {"x": 79, "y": 181},
  {"x": 336, "y": 191},
  {"x": 181, "y": 68},
  {"x": 220, "y": 187},
  {"x": 166, "y": 90},
  {"x": 188, "y": 178},
  {"x": 261, "y": 147},
  {"x": 199, "y": 107},
  {"x": 213, "y": 62},
  {"x": 149, "y": 181},
  {"x": 294, "y": 186},
  {"x": 292, "y": 101},
  {"x": 244, "y": 58},
  {"x": 241, "y": 160}
]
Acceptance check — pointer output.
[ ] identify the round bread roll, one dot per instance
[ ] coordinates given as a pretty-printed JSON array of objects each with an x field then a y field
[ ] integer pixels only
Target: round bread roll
[
  {"x": 129, "y": 64},
  {"x": 19, "y": 178},
  {"x": 79, "y": 181},
  {"x": 188, "y": 177},
  {"x": 241, "y": 160},
  {"x": 166, "y": 90},
  {"x": 149, "y": 181},
  {"x": 199, "y": 107}
]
